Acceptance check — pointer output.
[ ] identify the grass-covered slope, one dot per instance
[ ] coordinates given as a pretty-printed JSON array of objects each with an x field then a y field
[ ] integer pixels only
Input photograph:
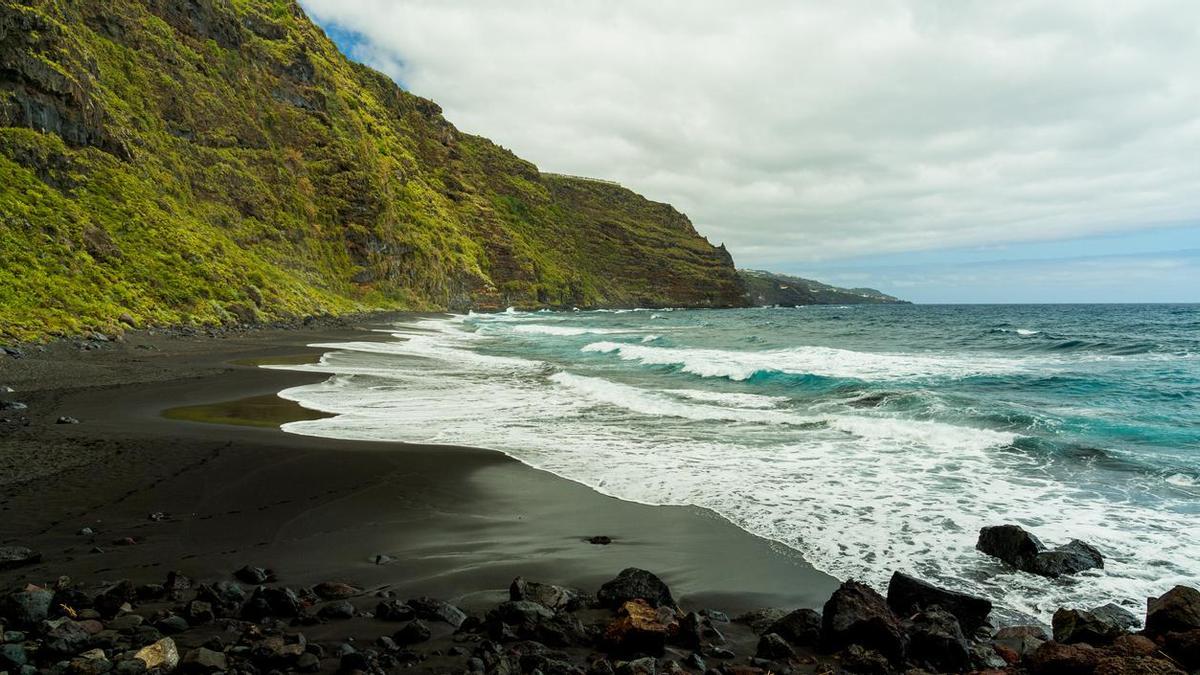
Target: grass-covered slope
[
  {"x": 768, "y": 288},
  {"x": 210, "y": 161}
]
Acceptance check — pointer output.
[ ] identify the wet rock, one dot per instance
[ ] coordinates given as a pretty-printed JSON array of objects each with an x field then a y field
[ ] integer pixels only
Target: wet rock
[
  {"x": 632, "y": 584},
  {"x": 335, "y": 590},
  {"x": 12, "y": 406},
  {"x": 432, "y": 609},
  {"x": 126, "y": 622},
  {"x": 1118, "y": 615},
  {"x": 1021, "y": 549},
  {"x": 641, "y": 629},
  {"x": 162, "y": 655},
  {"x": 1072, "y": 558},
  {"x": 394, "y": 610},
  {"x": 27, "y": 608},
  {"x": 935, "y": 639},
  {"x": 201, "y": 660},
  {"x": 1177, "y": 610},
  {"x": 1184, "y": 647},
  {"x": 66, "y": 419},
  {"x": 150, "y": 591},
  {"x": 412, "y": 633},
  {"x": 526, "y": 620},
  {"x": 1075, "y": 625},
  {"x": 773, "y": 647},
  {"x": 801, "y": 627},
  {"x": 556, "y": 598},
  {"x": 341, "y": 609},
  {"x": 1053, "y": 658},
  {"x": 1017, "y": 642},
  {"x": 696, "y": 630},
  {"x": 857, "y": 615},
  {"x": 760, "y": 620},
  {"x": 12, "y": 557},
  {"x": 642, "y": 666},
  {"x": 254, "y": 575},
  {"x": 600, "y": 540},
  {"x": 908, "y": 595}
]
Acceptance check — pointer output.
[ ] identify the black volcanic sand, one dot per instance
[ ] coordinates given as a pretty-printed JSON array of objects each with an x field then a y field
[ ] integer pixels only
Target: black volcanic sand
[{"x": 458, "y": 523}]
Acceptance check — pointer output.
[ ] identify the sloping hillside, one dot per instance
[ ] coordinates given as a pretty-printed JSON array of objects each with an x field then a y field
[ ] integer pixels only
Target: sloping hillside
[
  {"x": 213, "y": 161},
  {"x": 768, "y": 288}
]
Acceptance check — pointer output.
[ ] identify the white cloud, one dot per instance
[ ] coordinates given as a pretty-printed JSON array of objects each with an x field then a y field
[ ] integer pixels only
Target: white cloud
[{"x": 807, "y": 131}]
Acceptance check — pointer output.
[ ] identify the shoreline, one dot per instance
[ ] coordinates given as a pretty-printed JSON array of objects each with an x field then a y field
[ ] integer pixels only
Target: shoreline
[{"x": 458, "y": 521}]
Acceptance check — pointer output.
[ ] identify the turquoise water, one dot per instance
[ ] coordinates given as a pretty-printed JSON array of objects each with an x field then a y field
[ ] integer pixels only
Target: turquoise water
[{"x": 868, "y": 438}]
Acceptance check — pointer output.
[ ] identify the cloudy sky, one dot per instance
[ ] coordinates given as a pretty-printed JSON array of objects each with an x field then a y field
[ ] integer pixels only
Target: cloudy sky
[{"x": 942, "y": 151}]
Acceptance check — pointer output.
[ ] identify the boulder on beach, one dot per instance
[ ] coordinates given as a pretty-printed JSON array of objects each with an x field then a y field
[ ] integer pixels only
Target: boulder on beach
[
  {"x": 1024, "y": 551},
  {"x": 856, "y": 615},
  {"x": 935, "y": 639},
  {"x": 557, "y": 598},
  {"x": 641, "y": 629},
  {"x": 633, "y": 584},
  {"x": 801, "y": 628},
  {"x": 162, "y": 656},
  {"x": 908, "y": 595},
  {"x": 27, "y": 608},
  {"x": 1076, "y": 625},
  {"x": 432, "y": 609},
  {"x": 1177, "y": 610}
]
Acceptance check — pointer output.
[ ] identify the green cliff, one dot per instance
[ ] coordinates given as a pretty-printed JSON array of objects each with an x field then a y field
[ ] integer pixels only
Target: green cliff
[
  {"x": 219, "y": 161},
  {"x": 768, "y": 288}
]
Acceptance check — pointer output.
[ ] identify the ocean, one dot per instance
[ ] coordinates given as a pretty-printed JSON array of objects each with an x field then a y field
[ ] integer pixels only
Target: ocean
[{"x": 869, "y": 438}]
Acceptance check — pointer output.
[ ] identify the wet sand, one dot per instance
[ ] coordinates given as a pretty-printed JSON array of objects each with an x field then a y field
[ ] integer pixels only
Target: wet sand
[{"x": 458, "y": 523}]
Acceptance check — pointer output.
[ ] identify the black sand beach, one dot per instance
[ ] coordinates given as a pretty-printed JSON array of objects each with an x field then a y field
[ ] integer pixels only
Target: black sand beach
[{"x": 459, "y": 523}]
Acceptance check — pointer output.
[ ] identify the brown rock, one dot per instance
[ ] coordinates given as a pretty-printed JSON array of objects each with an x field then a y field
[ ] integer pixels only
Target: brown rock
[
  {"x": 335, "y": 590},
  {"x": 1184, "y": 647},
  {"x": 1053, "y": 658},
  {"x": 1135, "y": 665},
  {"x": 1134, "y": 645},
  {"x": 1176, "y": 610},
  {"x": 641, "y": 629}
]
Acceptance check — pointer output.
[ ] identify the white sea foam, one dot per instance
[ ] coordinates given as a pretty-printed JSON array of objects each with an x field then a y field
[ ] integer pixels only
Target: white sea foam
[
  {"x": 565, "y": 331},
  {"x": 1025, "y": 332},
  {"x": 822, "y": 361},
  {"x": 858, "y": 493}
]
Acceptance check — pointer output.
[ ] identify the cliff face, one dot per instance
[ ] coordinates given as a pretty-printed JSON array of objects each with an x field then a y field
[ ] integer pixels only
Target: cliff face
[
  {"x": 767, "y": 289},
  {"x": 168, "y": 161}
]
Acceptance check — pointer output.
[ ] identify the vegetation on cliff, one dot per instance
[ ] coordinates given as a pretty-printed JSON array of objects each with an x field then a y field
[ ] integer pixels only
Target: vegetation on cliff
[
  {"x": 211, "y": 161},
  {"x": 768, "y": 288}
]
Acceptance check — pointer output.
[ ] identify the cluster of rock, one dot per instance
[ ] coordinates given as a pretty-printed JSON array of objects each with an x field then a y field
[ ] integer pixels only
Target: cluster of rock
[{"x": 631, "y": 625}]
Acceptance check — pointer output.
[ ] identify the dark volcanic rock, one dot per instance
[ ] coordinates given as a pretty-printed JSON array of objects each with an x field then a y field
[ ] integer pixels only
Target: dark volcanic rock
[
  {"x": 773, "y": 647},
  {"x": 600, "y": 540},
  {"x": 1021, "y": 549},
  {"x": 1177, "y": 610},
  {"x": 272, "y": 602},
  {"x": 1017, "y": 642},
  {"x": 254, "y": 575},
  {"x": 27, "y": 608},
  {"x": 341, "y": 609},
  {"x": 201, "y": 660},
  {"x": 1072, "y": 558},
  {"x": 12, "y": 557},
  {"x": 225, "y": 597},
  {"x": 801, "y": 627},
  {"x": 936, "y": 640},
  {"x": 394, "y": 610},
  {"x": 1076, "y": 625},
  {"x": 412, "y": 633},
  {"x": 66, "y": 639},
  {"x": 857, "y": 615},
  {"x": 432, "y": 609},
  {"x": 557, "y": 598},
  {"x": 1118, "y": 615},
  {"x": 632, "y": 584},
  {"x": 908, "y": 595},
  {"x": 760, "y": 620},
  {"x": 696, "y": 630}
]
